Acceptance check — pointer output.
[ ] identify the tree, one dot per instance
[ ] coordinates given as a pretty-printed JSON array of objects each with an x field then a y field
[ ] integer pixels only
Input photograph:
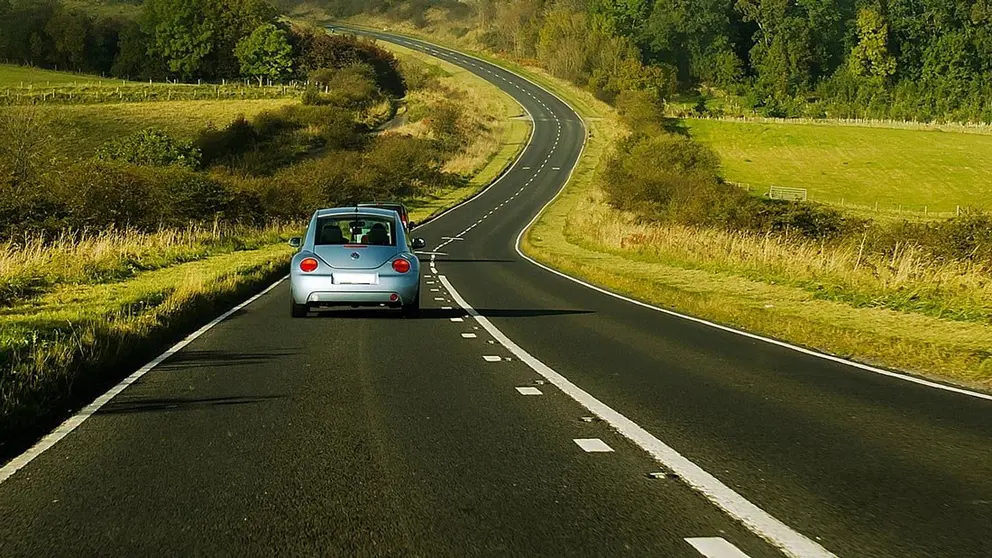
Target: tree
[
  {"x": 265, "y": 53},
  {"x": 180, "y": 34},
  {"x": 232, "y": 21},
  {"x": 68, "y": 30},
  {"x": 870, "y": 57},
  {"x": 563, "y": 43},
  {"x": 318, "y": 51}
]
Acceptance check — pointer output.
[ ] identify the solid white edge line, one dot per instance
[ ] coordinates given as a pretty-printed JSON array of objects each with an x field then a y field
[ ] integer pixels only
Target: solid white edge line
[
  {"x": 832, "y": 358},
  {"x": 715, "y": 547},
  {"x": 783, "y": 344},
  {"x": 79, "y": 418},
  {"x": 751, "y": 516}
]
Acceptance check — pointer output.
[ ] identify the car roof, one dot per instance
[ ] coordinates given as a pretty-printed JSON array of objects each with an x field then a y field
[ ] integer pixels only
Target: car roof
[
  {"x": 344, "y": 211},
  {"x": 382, "y": 204}
]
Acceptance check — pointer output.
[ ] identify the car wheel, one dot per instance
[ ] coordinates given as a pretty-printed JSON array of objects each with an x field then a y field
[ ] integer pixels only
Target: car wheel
[
  {"x": 412, "y": 309},
  {"x": 298, "y": 310}
]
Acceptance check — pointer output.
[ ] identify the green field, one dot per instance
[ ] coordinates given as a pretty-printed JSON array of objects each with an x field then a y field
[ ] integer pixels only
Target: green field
[
  {"x": 27, "y": 76},
  {"x": 856, "y": 165},
  {"x": 80, "y": 129}
]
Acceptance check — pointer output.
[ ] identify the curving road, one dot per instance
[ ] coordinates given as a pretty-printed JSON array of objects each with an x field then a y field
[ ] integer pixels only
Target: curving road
[{"x": 474, "y": 430}]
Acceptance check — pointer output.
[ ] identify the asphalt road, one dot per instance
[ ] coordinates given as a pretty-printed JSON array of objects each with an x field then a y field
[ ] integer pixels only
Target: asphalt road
[{"x": 356, "y": 432}]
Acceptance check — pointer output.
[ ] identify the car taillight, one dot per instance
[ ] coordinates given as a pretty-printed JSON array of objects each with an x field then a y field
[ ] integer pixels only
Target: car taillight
[
  {"x": 400, "y": 265},
  {"x": 308, "y": 265}
]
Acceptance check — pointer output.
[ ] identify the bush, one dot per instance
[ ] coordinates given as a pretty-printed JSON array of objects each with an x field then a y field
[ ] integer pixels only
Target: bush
[
  {"x": 101, "y": 194},
  {"x": 646, "y": 173},
  {"x": 237, "y": 137},
  {"x": 151, "y": 147}
]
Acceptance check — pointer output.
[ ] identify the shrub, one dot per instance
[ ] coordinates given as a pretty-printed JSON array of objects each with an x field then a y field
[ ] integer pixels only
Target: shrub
[
  {"x": 646, "y": 173},
  {"x": 237, "y": 137},
  {"x": 150, "y": 147}
]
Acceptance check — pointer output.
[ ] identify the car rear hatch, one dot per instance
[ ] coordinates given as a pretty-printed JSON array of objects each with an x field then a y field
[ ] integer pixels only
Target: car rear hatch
[{"x": 355, "y": 256}]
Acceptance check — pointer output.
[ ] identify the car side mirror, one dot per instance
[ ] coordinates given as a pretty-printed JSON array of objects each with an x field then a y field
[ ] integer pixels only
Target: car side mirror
[
  {"x": 419, "y": 243},
  {"x": 296, "y": 242},
  {"x": 411, "y": 225}
]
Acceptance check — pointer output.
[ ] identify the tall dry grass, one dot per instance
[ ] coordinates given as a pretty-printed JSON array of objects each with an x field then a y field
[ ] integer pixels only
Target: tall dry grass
[
  {"x": 31, "y": 265},
  {"x": 908, "y": 279}
]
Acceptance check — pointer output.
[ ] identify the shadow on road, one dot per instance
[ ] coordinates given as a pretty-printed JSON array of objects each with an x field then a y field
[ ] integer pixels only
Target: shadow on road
[
  {"x": 170, "y": 404},
  {"x": 215, "y": 359},
  {"x": 439, "y": 314},
  {"x": 455, "y": 260}
]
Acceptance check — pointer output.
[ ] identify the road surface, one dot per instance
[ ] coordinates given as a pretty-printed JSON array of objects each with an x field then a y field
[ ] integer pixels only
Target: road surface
[{"x": 472, "y": 430}]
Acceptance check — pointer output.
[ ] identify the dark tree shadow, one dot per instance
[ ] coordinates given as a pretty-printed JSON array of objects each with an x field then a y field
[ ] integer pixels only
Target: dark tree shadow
[
  {"x": 172, "y": 404},
  {"x": 187, "y": 359}
]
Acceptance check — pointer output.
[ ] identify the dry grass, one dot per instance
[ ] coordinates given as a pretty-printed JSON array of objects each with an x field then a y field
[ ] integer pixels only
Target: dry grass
[
  {"x": 908, "y": 280},
  {"x": 487, "y": 111},
  {"x": 490, "y": 117},
  {"x": 60, "y": 348},
  {"x": 34, "y": 265}
]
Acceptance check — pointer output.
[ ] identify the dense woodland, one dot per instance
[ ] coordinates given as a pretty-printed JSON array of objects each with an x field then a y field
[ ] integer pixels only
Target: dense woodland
[
  {"x": 185, "y": 40},
  {"x": 903, "y": 59}
]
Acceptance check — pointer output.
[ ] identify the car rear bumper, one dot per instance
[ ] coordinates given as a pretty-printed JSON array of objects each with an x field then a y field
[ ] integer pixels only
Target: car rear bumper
[{"x": 322, "y": 291}]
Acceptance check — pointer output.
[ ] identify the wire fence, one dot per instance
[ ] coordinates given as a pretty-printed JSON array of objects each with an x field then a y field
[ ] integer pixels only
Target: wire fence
[
  {"x": 884, "y": 209},
  {"x": 964, "y": 127},
  {"x": 96, "y": 92}
]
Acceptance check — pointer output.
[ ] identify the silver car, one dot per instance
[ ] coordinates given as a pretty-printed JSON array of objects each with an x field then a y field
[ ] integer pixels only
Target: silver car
[{"x": 355, "y": 256}]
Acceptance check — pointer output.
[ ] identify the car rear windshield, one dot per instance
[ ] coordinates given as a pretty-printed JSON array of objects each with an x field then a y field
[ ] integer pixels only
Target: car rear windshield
[{"x": 356, "y": 229}]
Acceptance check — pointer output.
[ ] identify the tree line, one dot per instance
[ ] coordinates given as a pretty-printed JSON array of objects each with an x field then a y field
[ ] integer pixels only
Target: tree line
[
  {"x": 903, "y": 59},
  {"x": 180, "y": 39}
]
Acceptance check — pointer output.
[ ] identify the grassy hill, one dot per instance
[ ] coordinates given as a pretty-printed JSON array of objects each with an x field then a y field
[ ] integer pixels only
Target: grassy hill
[
  {"x": 12, "y": 76},
  {"x": 859, "y": 166}
]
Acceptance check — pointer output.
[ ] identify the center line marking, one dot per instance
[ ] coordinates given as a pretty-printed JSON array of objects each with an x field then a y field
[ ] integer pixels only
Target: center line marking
[
  {"x": 593, "y": 445},
  {"x": 529, "y": 391},
  {"x": 757, "y": 520},
  {"x": 715, "y": 547},
  {"x": 469, "y": 336},
  {"x": 457, "y": 319},
  {"x": 492, "y": 358}
]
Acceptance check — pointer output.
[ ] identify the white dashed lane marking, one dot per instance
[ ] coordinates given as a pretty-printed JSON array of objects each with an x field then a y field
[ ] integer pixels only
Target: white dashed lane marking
[
  {"x": 492, "y": 358},
  {"x": 469, "y": 336},
  {"x": 758, "y": 521},
  {"x": 458, "y": 319},
  {"x": 529, "y": 391},
  {"x": 593, "y": 445},
  {"x": 715, "y": 547}
]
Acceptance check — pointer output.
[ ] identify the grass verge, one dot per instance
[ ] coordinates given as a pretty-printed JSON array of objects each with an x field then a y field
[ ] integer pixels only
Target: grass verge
[
  {"x": 59, "y": 350},
  {"x": 743, "y": 294}
]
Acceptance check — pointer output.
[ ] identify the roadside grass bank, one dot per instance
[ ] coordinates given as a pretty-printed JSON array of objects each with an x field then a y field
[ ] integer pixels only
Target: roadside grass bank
[
  {"x": 897, "y": 170},
  {"x": 61, "y": 349},
  {"x": 909, "y": 312},
  {"x": 914, "y": 315},
  {"x": 80, "y": 310}
]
